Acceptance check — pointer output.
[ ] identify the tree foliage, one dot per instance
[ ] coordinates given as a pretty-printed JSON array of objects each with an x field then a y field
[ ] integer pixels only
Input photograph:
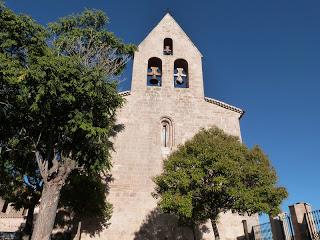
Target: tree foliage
[
  {"x": 21, "y": 42},
  {"x": 214, "y": 173},
  {"x": 58, "y": 99},
  {"x": 86, "y": 36}
]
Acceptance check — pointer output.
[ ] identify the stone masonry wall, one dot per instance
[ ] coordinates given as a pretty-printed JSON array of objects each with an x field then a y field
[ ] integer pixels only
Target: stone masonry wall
[{"x": 139, "y": 156}]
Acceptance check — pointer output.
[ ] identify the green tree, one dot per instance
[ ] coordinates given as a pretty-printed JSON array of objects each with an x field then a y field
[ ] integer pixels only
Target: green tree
[
  {"x": 213, "y": 173},
  {"x": 58, "y": 98},
  {"x": 21, "y": 41}
]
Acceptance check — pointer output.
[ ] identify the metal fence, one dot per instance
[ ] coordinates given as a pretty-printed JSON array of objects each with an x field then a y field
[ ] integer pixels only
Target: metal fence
[
  {"x": 280, "y": 228},
  {"x": 313, "y": 222},
  {"x": 287, "y": 228},
  {"x": 262, "y": 232},
  {"x": 10, "y": 235}
]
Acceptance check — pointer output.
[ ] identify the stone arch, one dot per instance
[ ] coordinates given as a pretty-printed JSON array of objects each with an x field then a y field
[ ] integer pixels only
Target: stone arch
[
  {"x": 181, "y": 73},
  {"x": 167, "y": 46},
  {"x": 166, "y": 132},
  {"x": 154, "y": 72}
]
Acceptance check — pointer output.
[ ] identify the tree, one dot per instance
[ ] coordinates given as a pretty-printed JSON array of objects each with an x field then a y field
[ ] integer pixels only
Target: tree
[
  {"x": 213, "y": 173},
  {"x": 62, "y": 100},
  {"x": 21, "y": 41}
]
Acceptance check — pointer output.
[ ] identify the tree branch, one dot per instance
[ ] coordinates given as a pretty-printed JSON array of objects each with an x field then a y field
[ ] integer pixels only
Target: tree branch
[
  {"x": 43, "y": 166},
  {"x": 55, "y": 166},
  {"x": 64, "y": 169},
  {"x": 102, "y": 55},
  {"x": 39, "y": 137}
]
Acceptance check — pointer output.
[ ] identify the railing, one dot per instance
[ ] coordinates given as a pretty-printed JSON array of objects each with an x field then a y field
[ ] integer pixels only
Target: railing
[
  {"x": 287, "y": 228},
  {"x": 262, "y": 232},
  {"x": 9, "y": 235},
  {"x": 313, "y": 221}
]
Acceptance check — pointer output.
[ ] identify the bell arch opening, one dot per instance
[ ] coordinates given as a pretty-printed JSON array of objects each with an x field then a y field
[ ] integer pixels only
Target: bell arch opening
[
  {"x": 167, "y": 46},
  {"x": 181, "y": 74},
  {"x": 154, "y": 72},
  {"x": 166, "y": 132}
]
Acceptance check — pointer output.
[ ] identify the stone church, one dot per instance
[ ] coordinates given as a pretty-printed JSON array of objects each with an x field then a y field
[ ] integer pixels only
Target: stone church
[{"x": 165, "y": 107}]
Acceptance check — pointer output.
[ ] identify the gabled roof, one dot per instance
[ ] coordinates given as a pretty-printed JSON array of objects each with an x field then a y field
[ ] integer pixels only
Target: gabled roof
[{"x": 169, "y": 18}]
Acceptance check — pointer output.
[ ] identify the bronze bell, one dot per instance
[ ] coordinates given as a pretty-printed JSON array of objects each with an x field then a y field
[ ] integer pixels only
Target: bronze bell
[
  {"x": 154, "y": 80},
  {"x": 180, "y": 75},
  {"x": 154, "y": 73},
  {"x": 167, "y": 50}
]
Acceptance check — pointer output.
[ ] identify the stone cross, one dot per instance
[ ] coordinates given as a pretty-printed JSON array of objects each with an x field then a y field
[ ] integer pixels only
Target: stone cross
[{"x": 179, "y": 75}]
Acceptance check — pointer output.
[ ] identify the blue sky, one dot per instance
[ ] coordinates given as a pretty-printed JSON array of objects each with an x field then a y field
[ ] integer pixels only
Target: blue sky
[{"x": 260, "y": 55}]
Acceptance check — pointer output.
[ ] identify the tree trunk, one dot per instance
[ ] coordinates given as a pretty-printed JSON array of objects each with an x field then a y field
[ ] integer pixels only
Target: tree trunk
[
  {"x": 29, "y": 221},
  {"x": 47, "y": 212},
  {"x": 215, "y": 229},
  {"x": 194, "y": 231},
  {"x": 78, "y": 235}
]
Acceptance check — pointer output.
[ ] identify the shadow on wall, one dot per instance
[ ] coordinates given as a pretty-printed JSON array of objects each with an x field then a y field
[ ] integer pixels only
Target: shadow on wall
[
  {"x": 241, "y": 238},
  {"x": 88, "y": 196},
  {"x": 160, "y": 226}
]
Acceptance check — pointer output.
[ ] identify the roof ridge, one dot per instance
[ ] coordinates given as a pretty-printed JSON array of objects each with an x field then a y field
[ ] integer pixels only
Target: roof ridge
[{"x": 224, "y": 105}]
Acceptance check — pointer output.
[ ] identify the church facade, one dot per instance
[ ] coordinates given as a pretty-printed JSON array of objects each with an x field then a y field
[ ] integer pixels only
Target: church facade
[{"x": 165, "y": 107}]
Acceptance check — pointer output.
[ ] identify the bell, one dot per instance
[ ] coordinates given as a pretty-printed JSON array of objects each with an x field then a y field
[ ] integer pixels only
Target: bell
[
  {"x": 167, "y": 50},
  {"x": 179, "y": 81},
  {"x": 154, "y": 80},
  {"x": 154, "y": 73},
  {"x": 180, "y": 75}
]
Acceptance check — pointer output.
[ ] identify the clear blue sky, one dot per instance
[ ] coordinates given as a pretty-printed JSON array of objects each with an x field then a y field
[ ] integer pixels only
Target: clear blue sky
[{"x": 260, "y": 55}]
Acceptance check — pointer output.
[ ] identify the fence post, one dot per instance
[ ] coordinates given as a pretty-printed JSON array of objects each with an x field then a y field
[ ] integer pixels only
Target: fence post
[
  {"x": 297, "y": 212},
  {"x": 245, "y": 229},
  {"x": 287, "y": 226},
  {"x": 276, "y": 228},
  {"x": 313, "y": 222}
]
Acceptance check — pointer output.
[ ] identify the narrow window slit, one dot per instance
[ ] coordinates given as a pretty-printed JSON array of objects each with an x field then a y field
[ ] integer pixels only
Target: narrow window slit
[{"x": 166, "y": 133}]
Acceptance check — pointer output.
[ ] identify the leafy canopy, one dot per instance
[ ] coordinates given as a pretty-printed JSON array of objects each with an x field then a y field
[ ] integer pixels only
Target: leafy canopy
[
  {"x": 86, "y": 36},
  {"x": 58, "y": 101},
  {"x": 21, "y": 42},
  {"x": 213, "y": 173}
]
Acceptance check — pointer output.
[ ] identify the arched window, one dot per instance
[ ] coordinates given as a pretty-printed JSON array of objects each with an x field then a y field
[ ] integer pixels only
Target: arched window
[
  {"x": 154, "y": 73},
  {"x": 167, "y": 46},
  {"x": 166, "y": 133},
  {"x": 181, "y": 74}
]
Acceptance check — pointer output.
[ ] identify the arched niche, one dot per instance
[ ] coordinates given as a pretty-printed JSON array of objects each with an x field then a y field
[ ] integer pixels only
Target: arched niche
[
  {"x": 167, "y": 46},
  {"x": 181, "y": 73},
  {"x": 154, "y": 72},
  {"x": 166, "y": 132}
]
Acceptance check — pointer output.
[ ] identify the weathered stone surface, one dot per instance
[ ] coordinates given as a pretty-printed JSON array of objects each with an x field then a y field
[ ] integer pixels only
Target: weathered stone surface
[
  {"x": 10, "y": 220},
  {"x": 11, "y": 224},
  {"x": 139, "y": 153},
  {"x": 300, "y": 226}
]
